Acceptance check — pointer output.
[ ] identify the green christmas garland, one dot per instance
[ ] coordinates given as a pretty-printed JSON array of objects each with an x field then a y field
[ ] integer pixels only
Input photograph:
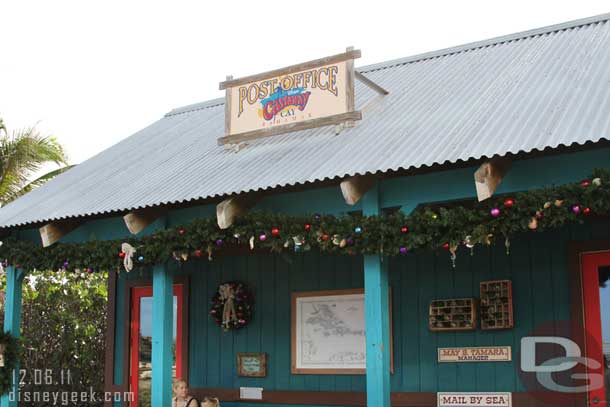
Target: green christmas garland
[
  {"x": 11, "y": 360},
  {"x": 429, "y": 227}
]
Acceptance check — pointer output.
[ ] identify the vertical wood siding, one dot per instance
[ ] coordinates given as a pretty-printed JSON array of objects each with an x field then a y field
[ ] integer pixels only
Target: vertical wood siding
[{"x": 537, "y": 265}]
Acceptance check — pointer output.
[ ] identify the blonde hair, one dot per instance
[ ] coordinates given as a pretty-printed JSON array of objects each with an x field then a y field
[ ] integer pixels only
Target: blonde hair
[
  {"x": 212, "y": 401},
  {"x": 178, "y": 382}
]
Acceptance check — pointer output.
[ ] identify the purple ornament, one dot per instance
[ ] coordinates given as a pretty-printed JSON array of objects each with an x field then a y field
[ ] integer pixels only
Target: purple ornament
[
  {"x": 495, "y": 212},
  {"x": 262, "y": 237},
  {"x": 403, "y": 250},
  {"x": 219, "y": 242},
  {"x": 317, "y": 216},
  {"x": 66, "y": 264},
  {"x": 350, "y": 241},
  {"x": 4, "y": 264},
  {"x": 89, "y": 270},
  {"x": 576, "y": 209}
]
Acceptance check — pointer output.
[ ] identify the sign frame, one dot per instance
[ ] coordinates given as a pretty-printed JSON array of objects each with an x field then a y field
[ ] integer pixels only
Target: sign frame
[
  {"x": 296, "y": 369},
  {"x": 261, "y": 359},
  {"x": 350, "y": 115},
  {"x": 441, "y": 359},
  {"x": 509, "y": 395}
]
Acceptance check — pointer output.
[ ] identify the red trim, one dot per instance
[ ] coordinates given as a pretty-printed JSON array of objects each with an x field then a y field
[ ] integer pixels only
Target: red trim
[
  {"x": 590, "y": 263},
  {"x": 137, "y": 293}
]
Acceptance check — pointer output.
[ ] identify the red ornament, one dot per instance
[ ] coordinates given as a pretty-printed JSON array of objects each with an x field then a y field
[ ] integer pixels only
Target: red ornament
[
  {"x": 198, "y": 253},
  {"x": 404, "y": 229},
  {"x": 446, "y": 246},
  {"x": 586, "y": 211},
  {"x": 121, "y": 255},
  {"x": 509, "y": 202},
  {"x": 307, "y": 227},
  {"x": 325, "y": 237},
  {"x": 585, "y": 183},
  {"x": 539, "y": 214},
  {"x": 181, "y": 231},
  {"x": 275, "y": 232}
]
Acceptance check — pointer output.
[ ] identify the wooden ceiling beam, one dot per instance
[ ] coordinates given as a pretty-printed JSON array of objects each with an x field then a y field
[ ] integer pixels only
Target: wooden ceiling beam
[
  {"x": 489, "y": 175},
  {"x": 54, "y": 231},
  {"x": 136, "y": 221},
  {"x": 230, "y": 209},
  {"x": 354, "y": 188}
]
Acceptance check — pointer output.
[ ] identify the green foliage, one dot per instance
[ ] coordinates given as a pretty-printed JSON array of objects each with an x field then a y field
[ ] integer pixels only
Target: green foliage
[
  {"x": 428, "y": 228},
  {"x": 22, "y": 153},
  {"x": 12, "y": 353},
  {"x": 63, "y": 328}
]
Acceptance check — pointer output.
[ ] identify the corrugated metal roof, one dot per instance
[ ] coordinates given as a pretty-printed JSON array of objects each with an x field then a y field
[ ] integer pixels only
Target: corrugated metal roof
[{"x": 528, "y": 91}]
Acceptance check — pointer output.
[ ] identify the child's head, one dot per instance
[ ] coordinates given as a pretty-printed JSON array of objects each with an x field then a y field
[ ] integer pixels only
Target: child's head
[
  {"x": 210, "y": 402},
  {"x": 180, "y": 388}
]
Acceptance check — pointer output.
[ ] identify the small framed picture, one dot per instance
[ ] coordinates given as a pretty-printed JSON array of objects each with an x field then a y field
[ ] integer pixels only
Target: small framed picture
[{"x": 252, "y": 364}]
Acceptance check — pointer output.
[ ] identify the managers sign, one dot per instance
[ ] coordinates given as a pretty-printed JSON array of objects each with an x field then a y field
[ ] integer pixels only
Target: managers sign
[
  {"x": 476, "y": 354},
  {"x": 311, "y": 94}
]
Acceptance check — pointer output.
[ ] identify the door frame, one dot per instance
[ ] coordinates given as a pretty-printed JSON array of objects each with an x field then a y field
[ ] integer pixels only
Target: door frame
[
  {"x": 586, "y": 308},
  {"x": 138, "y": 292}
]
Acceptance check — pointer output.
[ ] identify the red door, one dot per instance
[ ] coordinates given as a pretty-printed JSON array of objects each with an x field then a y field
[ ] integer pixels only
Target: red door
[
  {"x": 596, "y": 290},
  {"x": 140, "y": 369}
]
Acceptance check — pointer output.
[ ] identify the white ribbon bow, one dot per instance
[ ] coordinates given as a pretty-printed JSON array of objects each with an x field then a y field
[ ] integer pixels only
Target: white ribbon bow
[{"x": 129, "y": 251}]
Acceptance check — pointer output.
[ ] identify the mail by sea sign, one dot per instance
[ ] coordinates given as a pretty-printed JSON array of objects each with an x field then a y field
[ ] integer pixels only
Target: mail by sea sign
[
  {"x": 292, "y": 98},
  {"x": 474, "y": 399},
  {"x": 475, "y": 354}
]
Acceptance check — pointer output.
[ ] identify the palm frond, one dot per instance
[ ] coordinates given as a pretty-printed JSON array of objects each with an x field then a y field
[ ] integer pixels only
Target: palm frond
[{"x": 21, "y": 154}]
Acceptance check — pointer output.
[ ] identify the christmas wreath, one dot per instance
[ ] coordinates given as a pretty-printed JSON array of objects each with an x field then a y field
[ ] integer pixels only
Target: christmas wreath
[
  {"x": 232, "y": 305},
  {"x": 9, "y": 356}
]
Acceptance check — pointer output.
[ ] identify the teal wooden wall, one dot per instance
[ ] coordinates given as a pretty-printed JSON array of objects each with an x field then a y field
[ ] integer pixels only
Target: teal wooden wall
[{"x": 537, "y": 265}]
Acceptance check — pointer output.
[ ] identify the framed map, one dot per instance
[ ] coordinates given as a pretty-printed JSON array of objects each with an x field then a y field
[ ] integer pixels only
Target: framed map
[{"x": 328, "y": 332}]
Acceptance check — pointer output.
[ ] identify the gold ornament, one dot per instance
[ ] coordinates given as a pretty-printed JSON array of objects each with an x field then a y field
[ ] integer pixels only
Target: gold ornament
[
  {"x": 343, "y": 243},
  {"x": 533, "y": 224},
  {"x": 596, "y": 181},
  {"x": 558, "y": 203},
  {"x": 468, "y": 242},
  {"x": 547, "y": 205}
]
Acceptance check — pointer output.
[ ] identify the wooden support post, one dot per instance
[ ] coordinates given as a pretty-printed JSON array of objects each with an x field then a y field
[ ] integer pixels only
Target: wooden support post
[
  {"x": 162, "y": 336},
  {"x": 54, "y": 231},
  {"x": 371, "y": 84},
  {"x": 489, "y": 175},
  {"x": 12, "y": 324},
  {"x": 377, "y": 316},
  {"x": 230, "y": 209},
  {"x": 354, "y": 188},
  {"x": 137, "y": 221}
]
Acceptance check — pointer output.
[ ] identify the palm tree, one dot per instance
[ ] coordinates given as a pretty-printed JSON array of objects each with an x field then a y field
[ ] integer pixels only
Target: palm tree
[{"x": 22, "y": 153}]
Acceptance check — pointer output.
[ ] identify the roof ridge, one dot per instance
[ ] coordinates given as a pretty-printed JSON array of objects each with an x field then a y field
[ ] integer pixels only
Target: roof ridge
[
  {"x": 196, "y": 106},
  {"x": 487, "y": 42},
  {"x": 432, "y": 54}
]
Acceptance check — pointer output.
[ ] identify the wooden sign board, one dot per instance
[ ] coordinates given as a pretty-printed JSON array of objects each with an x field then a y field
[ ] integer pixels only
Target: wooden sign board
[
  {"x": 475, "y": 354},
  {"x": 252, "y": 364},
  {"x": 312, "y": 94},
  {"x": 329, "y": 332},
  {"x": 474, "y": 399}
]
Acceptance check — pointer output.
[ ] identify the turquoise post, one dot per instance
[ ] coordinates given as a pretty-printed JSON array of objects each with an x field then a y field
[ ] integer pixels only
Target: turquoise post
[
  {"x": 162, "y": 336},
  {"x": 12, "y": 323},
  {"x": 377, "y": 315}
]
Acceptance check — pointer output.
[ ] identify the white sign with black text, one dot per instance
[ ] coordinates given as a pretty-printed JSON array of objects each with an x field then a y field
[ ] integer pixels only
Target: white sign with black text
[
  {"x": 474, "y": 399},
  {"x": 475, "y": 354}
]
